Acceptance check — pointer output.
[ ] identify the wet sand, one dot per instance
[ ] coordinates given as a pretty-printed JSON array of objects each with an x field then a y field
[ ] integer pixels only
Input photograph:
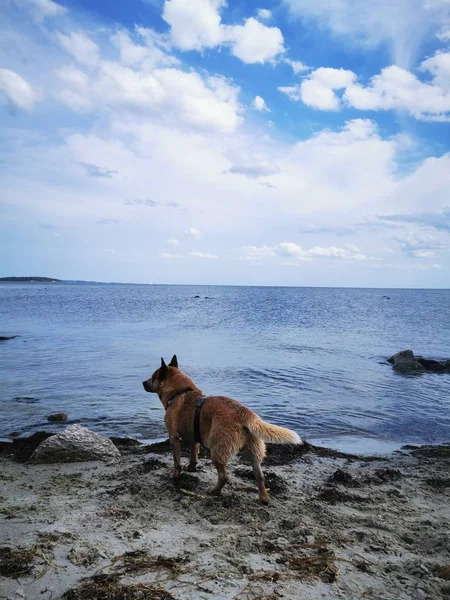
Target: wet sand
[{"x": 337, "y": 526}]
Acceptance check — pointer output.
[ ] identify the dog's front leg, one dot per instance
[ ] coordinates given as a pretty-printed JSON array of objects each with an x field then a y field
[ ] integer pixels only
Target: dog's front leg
[
  {"x": 175, "y": 444},
  {"x": 195, "y": 449}
]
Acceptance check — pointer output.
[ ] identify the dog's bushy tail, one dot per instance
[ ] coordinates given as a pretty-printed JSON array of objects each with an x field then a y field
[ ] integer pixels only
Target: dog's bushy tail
[{"x": 272, "y": 433}]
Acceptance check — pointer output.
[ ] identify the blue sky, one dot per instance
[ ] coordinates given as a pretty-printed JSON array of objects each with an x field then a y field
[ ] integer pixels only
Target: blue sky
[{"x": 290, "y": 142}]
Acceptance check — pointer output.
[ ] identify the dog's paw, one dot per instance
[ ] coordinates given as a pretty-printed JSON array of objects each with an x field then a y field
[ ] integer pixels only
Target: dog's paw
[
  {"x": 264, "y": 502},
  {"x": 192, "y": 468},
  {"x": 176, "y": 474},
  {"x": 214, "y": 492}
]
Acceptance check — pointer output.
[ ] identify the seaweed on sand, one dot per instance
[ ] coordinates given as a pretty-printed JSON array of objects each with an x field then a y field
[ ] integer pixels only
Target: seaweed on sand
[
  {"x": 109, "y": 587},
  {"x": 320, "y": 565},
  {"x": 15, "y": 561},
  {"x": 138, "y": 561}
]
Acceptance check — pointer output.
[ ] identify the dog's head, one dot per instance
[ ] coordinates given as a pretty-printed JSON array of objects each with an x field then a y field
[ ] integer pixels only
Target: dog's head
[{"x": 154, "y": 383}]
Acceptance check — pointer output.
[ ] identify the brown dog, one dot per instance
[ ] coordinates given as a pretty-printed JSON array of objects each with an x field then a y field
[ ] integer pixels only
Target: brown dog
[{"x": 222, "y": 424}]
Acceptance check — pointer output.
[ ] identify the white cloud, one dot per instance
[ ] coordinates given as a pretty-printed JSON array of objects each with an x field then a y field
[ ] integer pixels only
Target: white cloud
[
  {"x": 170, "y": 256},
  {"x": 444, "y": 35},
  {"x": 257, "y": 253},
  {"x": 396, "y": 88},
  {"x": 80, "y": 46},
  {"x": 75, "y": 101},
  {"x": 297, "y": 66},
  {"x": 264, "y": 13},
  {"x": 404, "y": 25},
  {"x": 291, "y": 250},
  {"x": 408, "y": 267},
  {"x": 439, "y": 66},
  {"x": 203, "y": 255},
  {"x": 393, "y": 88},
  {"x": 17, "y": 91},
  {"x": 73, "y": 77},
  {"x": 317, "y": 90},
  {"x": 194, "y": 24},
  {"x": 253, "y": 166},
  {"x": 192, "y": 233},
  {"x": 42, "y": 9},
  {"x": 173, "y": 242},
  {"x": 254, "y": 42},
  {"x": 419, "y": 244},
  {"x": 209, "y": 103},
  {"x": 197, "y": 24},
  {"x": 130, "y": 53},
  {"x": 151, "y": 51},
  {"x": 292, "y": 91},
  {"x": 260, "y": 104}
]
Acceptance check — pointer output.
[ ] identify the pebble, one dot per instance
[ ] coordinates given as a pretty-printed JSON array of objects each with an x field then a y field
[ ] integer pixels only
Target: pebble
[{"x": 310, "y": 539}]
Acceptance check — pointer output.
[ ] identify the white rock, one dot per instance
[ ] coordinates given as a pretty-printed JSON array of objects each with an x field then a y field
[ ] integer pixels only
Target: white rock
[{"x": 76, "y": 443}]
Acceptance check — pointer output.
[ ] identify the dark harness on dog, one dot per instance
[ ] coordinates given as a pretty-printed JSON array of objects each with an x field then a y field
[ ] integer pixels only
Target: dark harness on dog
[{"x": 198, "y": 408}]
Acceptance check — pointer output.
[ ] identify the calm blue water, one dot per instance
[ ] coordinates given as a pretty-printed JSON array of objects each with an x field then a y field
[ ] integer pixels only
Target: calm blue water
[{"x": 311, "y": 359}]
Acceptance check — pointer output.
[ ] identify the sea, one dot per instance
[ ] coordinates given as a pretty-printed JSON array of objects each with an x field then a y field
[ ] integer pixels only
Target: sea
[{"x": 311, "y": 359}]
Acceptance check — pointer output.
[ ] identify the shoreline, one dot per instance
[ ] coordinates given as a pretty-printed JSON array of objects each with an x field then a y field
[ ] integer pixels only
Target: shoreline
[
  {"x": 348, "y": 445},
  {"x": 338, "y": 525}
]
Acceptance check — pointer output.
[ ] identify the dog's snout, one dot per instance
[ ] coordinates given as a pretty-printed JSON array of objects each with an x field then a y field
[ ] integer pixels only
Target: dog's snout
[{"x": 144, "y": 383}]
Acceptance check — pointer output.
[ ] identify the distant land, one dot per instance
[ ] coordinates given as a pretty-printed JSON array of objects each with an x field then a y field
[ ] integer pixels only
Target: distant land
[
  {"x": 54, "y": 280},
  {"x": 29, "y": 280}
]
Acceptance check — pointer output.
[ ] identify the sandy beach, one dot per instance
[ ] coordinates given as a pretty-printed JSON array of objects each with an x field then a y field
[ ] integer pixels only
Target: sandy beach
[{"x": 337, "y": 526}]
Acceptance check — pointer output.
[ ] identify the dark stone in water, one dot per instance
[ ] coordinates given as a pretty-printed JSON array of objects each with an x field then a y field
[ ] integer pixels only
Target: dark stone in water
[
  {"x": 5, "y": 338},
  {"x": 404, "y": 356},
  {"x": 433, "y": 365},
  {"x": 413, "y": 367},
  {"x": 57, "y": 417},
  {"x": 406, "y": 362}
]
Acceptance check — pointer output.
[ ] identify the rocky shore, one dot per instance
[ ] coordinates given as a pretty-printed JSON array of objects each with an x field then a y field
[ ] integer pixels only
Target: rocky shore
[{"x": 337, "y": 526}]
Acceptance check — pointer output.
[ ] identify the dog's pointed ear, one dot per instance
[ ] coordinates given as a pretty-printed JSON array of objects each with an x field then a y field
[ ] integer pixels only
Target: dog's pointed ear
[
  {"x": 162, "y": 370},
  {"x": 174, "y": 362}
]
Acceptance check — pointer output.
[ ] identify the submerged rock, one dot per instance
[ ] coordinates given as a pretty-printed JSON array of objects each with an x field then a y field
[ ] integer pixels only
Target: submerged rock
[
  {"x": 434, "y": 365},
  {"x": 57, "y": 417},
  {"x": 406, "y": 362},
  {"x": 5, "y": 338},
  {"x": 409, "y": 367},
  {"x": 76, "y": 443},
  {"x": 402, "y": 356}
]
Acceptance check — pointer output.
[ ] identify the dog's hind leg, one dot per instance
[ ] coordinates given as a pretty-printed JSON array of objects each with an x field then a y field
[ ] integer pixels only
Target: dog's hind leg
[
  {"x": 223, "y": 478},
  {"x": 175, "y": 444},
  {"x": 256, "y": 450},
  {"x": 195, "y": 449},
  {"x": 219, "y": 457}
]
